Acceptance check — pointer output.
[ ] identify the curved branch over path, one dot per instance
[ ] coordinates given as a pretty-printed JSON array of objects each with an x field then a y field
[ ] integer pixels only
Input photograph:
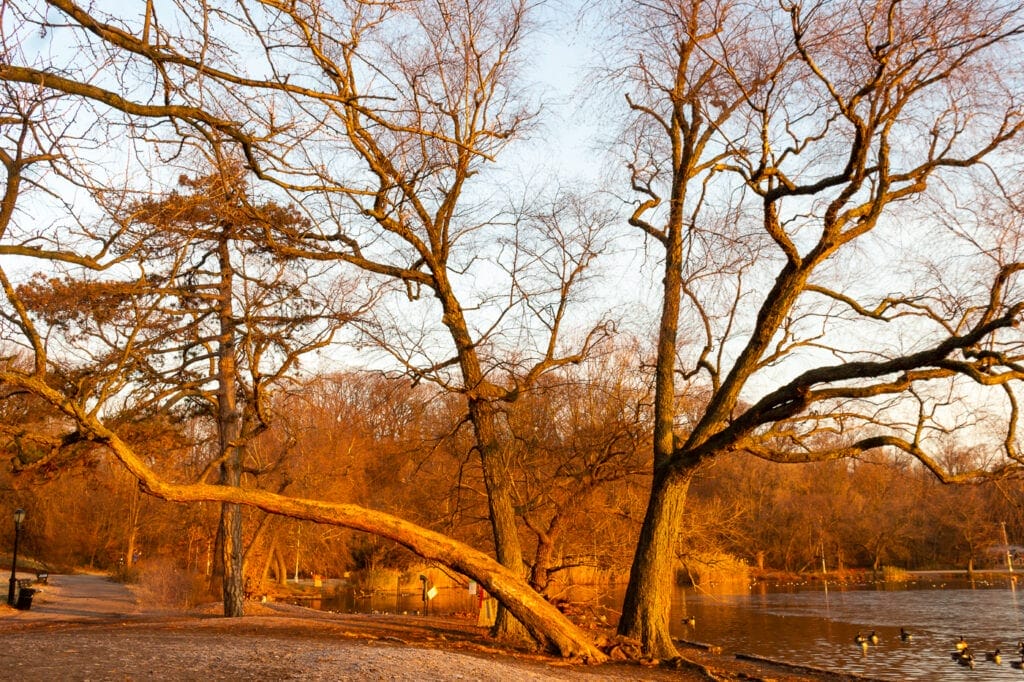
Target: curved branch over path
[{"x": 545, "y": 623}]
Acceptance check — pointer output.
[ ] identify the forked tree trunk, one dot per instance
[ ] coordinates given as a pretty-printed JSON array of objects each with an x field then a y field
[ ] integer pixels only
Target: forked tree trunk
[
  {"x": 540, "y": 574},
  {"x": 646, "y": 609}
]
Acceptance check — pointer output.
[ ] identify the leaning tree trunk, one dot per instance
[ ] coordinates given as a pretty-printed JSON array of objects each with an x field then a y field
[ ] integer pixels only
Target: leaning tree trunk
[
  {"x": 646, "y": 610},
  {"x": 545, "y": 623}
]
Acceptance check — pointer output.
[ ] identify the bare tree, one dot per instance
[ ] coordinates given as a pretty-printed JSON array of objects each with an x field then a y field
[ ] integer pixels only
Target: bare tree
[
  {"x": 381, "y": 121},
  {"x": 781, "y": 156},
  {"x": 210, "y": 325},
  {"x": 583, "y": 438}
]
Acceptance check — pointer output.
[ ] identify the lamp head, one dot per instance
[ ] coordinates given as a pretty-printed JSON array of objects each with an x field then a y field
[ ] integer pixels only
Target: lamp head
[{"x": 19, "y": 516}]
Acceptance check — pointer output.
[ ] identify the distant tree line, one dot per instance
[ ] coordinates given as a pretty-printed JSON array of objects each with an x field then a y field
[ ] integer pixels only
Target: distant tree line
[{"x": 579, "y": 492}]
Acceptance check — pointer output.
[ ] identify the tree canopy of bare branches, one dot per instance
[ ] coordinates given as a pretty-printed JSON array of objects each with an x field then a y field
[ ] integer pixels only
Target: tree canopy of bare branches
[{"x": 787, "y": 159}]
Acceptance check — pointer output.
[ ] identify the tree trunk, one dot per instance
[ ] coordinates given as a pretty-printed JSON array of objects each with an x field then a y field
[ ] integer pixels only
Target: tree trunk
[
  {"x": 134, "y": 514},
  {"x": 507, "y": 547},
  {"x": 281, "y": 568},
  {"x": 268, "y": 561},
  {"x": 232, "y": 579},
  {"x": 229, "y": 425},
  {"x": 230, "y": 534},
  {"x": 646, "y": 610},
  {"x": 540, "y": 574}
]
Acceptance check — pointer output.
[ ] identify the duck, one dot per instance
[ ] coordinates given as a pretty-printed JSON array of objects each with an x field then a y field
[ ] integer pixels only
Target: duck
[
  {"x": 873, "y": 638},
  {"x": 961, "y": 645},
  {"x": 860, "y": 639},
  {"x": 690, "y": 621},
  {"x": 905, "y": 636},
  {"x": 995, "y": 656},
  {"x": 966, "y": 657}
]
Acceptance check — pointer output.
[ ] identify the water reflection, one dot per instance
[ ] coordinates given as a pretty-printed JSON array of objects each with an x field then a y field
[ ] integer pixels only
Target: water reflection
[
  {"x": 344, "y": 598},
  {"x": 812, "y": 625}
]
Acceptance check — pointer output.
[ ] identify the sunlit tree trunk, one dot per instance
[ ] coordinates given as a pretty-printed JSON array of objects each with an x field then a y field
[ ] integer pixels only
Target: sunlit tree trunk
[
  {"x": 507, "y": 545},
  {"x": 229, "y": 425},
  {"x": 645, "y": 611},
  {"x": 647, "y": 605},
  {"x": 134, "y": 513}
]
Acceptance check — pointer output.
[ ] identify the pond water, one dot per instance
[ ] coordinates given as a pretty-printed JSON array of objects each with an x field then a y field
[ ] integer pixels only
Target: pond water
[
  {"x": 816, "y": 625},
  {"x": 813, "y": 623}
]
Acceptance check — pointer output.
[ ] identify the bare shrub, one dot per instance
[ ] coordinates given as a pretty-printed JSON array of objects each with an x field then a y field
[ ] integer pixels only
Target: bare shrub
[{"x": 164, "y": 583}]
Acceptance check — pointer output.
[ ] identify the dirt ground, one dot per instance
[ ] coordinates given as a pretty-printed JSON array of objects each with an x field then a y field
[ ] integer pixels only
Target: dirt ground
[{"x": 86, "y": 627}]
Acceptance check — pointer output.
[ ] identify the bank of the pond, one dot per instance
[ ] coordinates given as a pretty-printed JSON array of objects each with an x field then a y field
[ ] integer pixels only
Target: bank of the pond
[{"x": 86, "y": 627}]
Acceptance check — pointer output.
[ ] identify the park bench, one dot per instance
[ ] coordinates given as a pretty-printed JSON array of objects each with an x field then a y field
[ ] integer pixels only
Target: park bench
[
  {"x": 26, "y": 592},
  {"x": 42, "y": 577}
]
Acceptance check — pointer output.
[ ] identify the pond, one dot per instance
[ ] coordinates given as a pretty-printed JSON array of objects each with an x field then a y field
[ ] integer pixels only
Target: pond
[
  {"x": 812, "y": 623},
  {"x": 815, "y": 624}
]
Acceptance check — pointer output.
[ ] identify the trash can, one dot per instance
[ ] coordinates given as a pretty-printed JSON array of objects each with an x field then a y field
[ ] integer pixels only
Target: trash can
[{"x": 25, "y": 595}]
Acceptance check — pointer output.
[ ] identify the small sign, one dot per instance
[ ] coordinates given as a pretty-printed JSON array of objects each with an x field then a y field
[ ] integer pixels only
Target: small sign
[
  {"x": 432, "y": 592},
  {"x": 472, "y": 588}
]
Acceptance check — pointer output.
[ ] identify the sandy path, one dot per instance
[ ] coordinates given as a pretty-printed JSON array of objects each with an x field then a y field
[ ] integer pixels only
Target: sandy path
[{"x": 79, "y": 598}]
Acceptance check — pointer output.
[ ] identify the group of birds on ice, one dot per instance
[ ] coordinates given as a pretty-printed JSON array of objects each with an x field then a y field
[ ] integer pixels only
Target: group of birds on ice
[{"x": 963, "y": 654}]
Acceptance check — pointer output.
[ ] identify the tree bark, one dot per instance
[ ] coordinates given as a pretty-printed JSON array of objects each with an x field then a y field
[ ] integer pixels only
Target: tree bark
[
  {"x": 540, "y": 574},
  {"x": 508, "y": 549},
  {"x": 232, "y": 580},
  {"x": 493, "y": 455},
  {"x": 646, "y": 609},
  {"x": 229, "y": 430}
]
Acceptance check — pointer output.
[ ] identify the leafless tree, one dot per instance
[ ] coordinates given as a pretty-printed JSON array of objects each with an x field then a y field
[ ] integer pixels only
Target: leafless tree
[
  {"x": 783, "y": 154},
  {"x": 380, "y": 120},
  {"x": 209, "y": 323}
]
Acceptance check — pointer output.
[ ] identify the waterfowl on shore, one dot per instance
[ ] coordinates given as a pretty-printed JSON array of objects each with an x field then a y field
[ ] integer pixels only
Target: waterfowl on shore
[
  {"x": 962, "y": 644},
  {"x": 690, "y": 621},
  {"x": 905, "y": 636},
  {"x": 873, "y": 638}
]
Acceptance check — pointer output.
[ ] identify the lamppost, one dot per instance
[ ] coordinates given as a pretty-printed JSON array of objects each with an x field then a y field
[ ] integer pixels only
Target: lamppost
[{"x": 19, "y": 516}]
